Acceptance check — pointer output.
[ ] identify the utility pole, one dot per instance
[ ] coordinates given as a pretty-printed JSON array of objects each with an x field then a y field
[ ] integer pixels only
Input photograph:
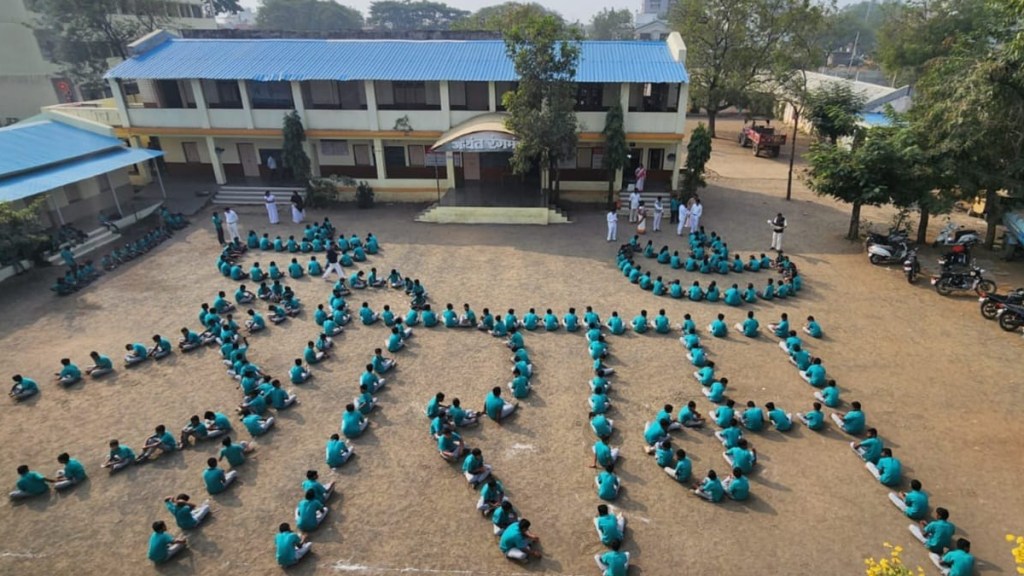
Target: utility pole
[{"x": 792, "y": 152}]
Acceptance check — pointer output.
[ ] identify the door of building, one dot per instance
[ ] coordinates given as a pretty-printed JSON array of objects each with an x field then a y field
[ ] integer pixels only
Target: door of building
[
  {"x": 471, "y": 165},
  {"x": 191, "y": 150},
  {"x": 655, "y": 158},
  {"x": 247, "y": 156}
]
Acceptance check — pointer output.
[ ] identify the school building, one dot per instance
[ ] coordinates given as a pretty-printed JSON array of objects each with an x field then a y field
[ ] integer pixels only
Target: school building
[{"x": 411, "y": 117}]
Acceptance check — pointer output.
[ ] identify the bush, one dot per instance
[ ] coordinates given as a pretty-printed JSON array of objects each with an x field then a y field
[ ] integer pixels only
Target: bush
[{"x": 364, "y": 195}]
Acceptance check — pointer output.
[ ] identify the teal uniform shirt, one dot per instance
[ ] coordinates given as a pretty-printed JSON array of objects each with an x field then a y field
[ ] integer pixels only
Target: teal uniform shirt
[
  {"x": 663, "y": 456},
  {"x": 662, "y": 325},
  {"x": 714, "y": 488},
  {"x": 960, "y": 563},
  {"x": 689, "y": 325},
  {"x": 446, "y": 444},
  {"x": 29, "y": 385},
  {"x": 513, "y": 538},
  {"x": 815, "y": 419},
  {"x": 608, "y": 527},
  {"x": 412, "y": 318},
  {"x": 654, "y": 433},
  {"x": 940, "y": 535},
  {"x": 815, "y": 375},
  {"x": 351, "y": 424},
  {"x": 457, "y": 414},
  {"x": 600, "y": 425},
  {"x": 742, "y": 459},
  {"x": 780, "y": 419},
  {"x": 234, "y": 454},
  {"x": 296, "y": 374},
  {"x": 664, "y": 257},
  {"x": 530, "y": 321},
  {"x": 691, "y": 264},
  {"x": 603, "y": 453},
  {"x": 158, "y": 543},
  {"x": 214, "y": 480},
  {"x": 723, "y": 415},
  {"x": 739, "y": 488},
  {"x": 366, "y": 315},
  {"x": 295, "y": 270},
  {"x": 252, "y": 423},
  {"x": 310, "y": 355},
  {"x": 275, "y": 272},
  {"x": 493, "y": 405},
  {"x": 317, "y": 488},
  {"x": 335, "y": 453},
  {"x": 105, "y": 363},
  {"x": 713, "y": 294},
  {"x": 394, "y": 342},
  {"x": 814, "y": 329},
  {"x": 782, "y": 329},
  {"x": 699, "y": 357},
  {"x": 719, "y": 329},
  {"x": 33, "y": 483},
  {"x": 277, "y": 398},
  {"x": 472, "y": 462},
  {"x": 305, "y": 515},
  {"x": 750, "y": 327},
  {"x": 520, "y": 387},
  {"x": 750, "y": 295},
  {"x": 572, "y": 323},
  {"x": 696, "y": 294},
  {"x": 285, "y": 544},
  {"x": 74, "y": 470},
  {"x": 516, "y": 341},
  {"x": 640, "y": 324},
  {"x": 182, "y": 515},
  {"x": 754, "y": 264},
  {"x": 753, "y": 419},
  {"x": 801, "y": 358},
  {"x": 451, "y": 320},
  {"x": 71, "y": 372},
  {"x": 429, "y": 318},
  {"x": 853, "y": 422},
  {"x": 320, "y": 316},
  {"x": 237, "y": 273},
  {"x": 616, "y": 562},
  {"x": 675, "y": 262},
  {"x": 607, "y": 485},
  {"x": 731, "y": 436},
  {"x": 889, "y": 471},
  {"x": 686, "y": 415},
  {"x": 487, "y": 321},
  {"x": 737, "y": 265},
  {"x": 831, "y": 396},
  {"x": 683, "y": 469},
  {"x": 616, "y": 326},
  {"x": 871, "y": 449},
  {"x": 675, "y": 290},
  {"x": 732, "y": 297},
  {"x": 917, "y": 504},
  {"x": 769, "y": 292},
  {"x": 314, "y": 268},
  {"x": 550, "y": 322},
  {"x": 139, "y": 350}
]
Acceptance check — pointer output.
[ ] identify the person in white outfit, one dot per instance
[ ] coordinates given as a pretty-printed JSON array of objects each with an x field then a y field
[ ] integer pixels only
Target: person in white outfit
[
  {"x": 613, "y": 225},
  {"x": 231, "y": 219},
  {"x": 684, "y": 213},
  {"x": 634, "y": 206},
  {"x": 778, "y": 225},
  {"x": 695, "y": 213},
  {"x": 659, "y": 210},
  {"x": 641, "y": 177},
  {"x": 271, "y": 203}
]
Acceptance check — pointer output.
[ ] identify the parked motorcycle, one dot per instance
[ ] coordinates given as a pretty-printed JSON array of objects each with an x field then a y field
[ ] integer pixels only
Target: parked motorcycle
[
  {"x": 894, "y": 237},
  {"x": 950, "y": 281},
  {"x": 991, "y": 304},
  {"x": 1011, "y": 317},
  {"x": 911, "y": 267},
  {"x": 959, "y": 256},
  {"x": 954, "y": 235},
  {"x": 880, "y": 254}
]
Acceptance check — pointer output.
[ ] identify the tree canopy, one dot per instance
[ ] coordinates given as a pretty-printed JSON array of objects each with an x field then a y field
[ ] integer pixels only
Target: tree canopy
[
  {"x": 698, "y": 152},
  {"x": 834, "y": 110},
  {"x": 502, "y": 17},
  {"x": 22, "y": 236},
  {"x": 545, "y": 53},
  {"x": 409, "y": 15},
  {"x": 611, "y": 24},
  {"x": 79, "y": 37},
  {"x": 616, "y": 151},
  {"x": 226, "y": 6},
  {"x": 733, "y": 45},
  {"x": 858, "y": 24},
  {"x": 307, "y": 16},
  {"x": 293, "y": 151}
]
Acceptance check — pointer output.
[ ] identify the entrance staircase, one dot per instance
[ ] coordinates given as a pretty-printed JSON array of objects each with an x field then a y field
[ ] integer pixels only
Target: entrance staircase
[
  {"x": 253, "y": 195},
  {"x": 493, "y": 215},
  {"x": 647, "y": 197}
]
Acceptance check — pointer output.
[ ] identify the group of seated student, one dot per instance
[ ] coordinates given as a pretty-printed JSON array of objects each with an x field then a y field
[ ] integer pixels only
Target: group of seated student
[
  {"x": 611, "y": 528},
  {"x": 31, "y": 483},
  {"x": 76, "y": 277}
]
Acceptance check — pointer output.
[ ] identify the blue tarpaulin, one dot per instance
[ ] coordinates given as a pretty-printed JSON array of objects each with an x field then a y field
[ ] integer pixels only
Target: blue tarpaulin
[{"x": 45, "y": 179}]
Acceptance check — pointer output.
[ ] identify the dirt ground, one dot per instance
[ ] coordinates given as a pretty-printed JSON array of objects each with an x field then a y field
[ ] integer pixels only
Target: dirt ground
[{"x": 941, "y": 384}]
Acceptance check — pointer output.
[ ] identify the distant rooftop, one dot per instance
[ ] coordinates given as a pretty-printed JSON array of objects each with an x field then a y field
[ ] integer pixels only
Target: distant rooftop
[{"x": 163, "y": 56}]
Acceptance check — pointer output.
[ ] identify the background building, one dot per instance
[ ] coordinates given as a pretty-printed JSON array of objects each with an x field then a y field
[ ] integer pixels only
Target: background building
[
  {"x": 651, "y": 22},
  {"x": 29, "y": 81}
]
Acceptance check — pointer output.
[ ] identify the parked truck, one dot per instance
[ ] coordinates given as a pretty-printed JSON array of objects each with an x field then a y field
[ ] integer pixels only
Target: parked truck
[{"x": 760, "y": 136}]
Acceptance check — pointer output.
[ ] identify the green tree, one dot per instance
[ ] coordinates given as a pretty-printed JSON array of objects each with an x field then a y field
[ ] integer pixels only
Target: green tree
[
  {"x": 545, "y": 53},
  {"x": 79, "y": 37},
  {"x": 307, "y": 16},
  {"x": 293, "y": 151},
  {"x": 502, "y": 17},
  {"x": 226, "y": 6},
  {"x": 409, "y": 15},
  {"x": 834, "y": 110},
  {"x": 871, "y": 173},
  {"x": 22, "y": 236},
  {"x": 616, "y": 151},
  {"x": 732, "y": 45},
  {"x": 858, "y": 24},
  {"x": 698, "y": 152},
  {"x": 610, "y": 24}
]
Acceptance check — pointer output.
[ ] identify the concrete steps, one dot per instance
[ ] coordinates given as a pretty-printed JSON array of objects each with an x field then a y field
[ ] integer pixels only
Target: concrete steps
[
  {"x": 493, "y": 215},
  {"x": 558, "y": 216},
  {"x": 97, "y": 238},
  {"x": 647, "y": 197},
  {"x": 253, "y": 195}
]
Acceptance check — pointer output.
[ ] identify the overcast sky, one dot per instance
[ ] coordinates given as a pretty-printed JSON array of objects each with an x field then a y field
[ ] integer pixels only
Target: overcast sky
[{"x": 570, "y": 9}]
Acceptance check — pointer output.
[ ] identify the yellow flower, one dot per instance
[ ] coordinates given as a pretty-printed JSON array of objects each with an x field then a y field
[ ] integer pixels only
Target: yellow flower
[
  {"x": 1010, "y": 537},
  {"x": 887, "y": 545}
]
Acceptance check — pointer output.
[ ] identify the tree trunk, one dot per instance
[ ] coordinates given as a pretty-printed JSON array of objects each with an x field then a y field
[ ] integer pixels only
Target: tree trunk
[
  {"x": 922, "y": 226},
  {"x": 854, "y": 232},
  {"x": 792, "y": 154},
  {"x": 712, "y": 114},
  {"x": 611, "y": 190},
  {"x": 991, "y": 217}
]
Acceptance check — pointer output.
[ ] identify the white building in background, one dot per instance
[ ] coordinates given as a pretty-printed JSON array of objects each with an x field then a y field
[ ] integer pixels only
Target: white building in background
[
  {"x": 876, "y": 99},
  {"x": 244, "y": 20},
  {"x": 651, "y": 22},
  {"x": 28, "y": 81}
]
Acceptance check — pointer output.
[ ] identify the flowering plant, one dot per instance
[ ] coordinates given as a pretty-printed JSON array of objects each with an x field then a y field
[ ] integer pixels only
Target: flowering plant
[{"x": 891, "y": 566}]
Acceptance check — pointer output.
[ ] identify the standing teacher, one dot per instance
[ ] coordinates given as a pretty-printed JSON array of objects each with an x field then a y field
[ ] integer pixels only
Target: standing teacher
[
  {"x": 778, "y": 225},
  {"x": 271, "y": 203},
  {"x": 298, "y": 207}
]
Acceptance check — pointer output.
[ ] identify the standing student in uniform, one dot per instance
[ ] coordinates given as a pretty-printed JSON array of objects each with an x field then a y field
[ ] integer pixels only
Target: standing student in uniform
[
  {"x": 613, "y": 225},
  {"x": 684, "y": 213},
  {"x": 219, "y": 227},
  {"x": 634, "y": 206},
  {"x": 231, "y": 219},
  {"x": 696, "y": 211},
  {"x": 659, "y": 212},
  {"x": 271, "y": 204},
  {"x": 332, "y": 263},
  {"x": 778, "y": 225}
]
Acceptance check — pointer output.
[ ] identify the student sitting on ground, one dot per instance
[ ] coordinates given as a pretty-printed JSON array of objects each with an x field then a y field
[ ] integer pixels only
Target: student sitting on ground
[
  {"x": 715, "y": 392},
  {"x": 870, "y": 448},
  {"x": 615, "y": 325},
  {"x": 888, "y": 470},
  {"x": 186, "y": 514},
  {"x": 372, "y": 381},
  {"x": 161, "y": 347},
  {"x": 460, "y": 416},
  {"x": 958, "y": 562},
  {"x": 781, "y": 328},
  {"x": 815, "y": 419},
  {"x": 197, "y": 429},
  {"x": 741, "y": 456},
  {"x": 474, "y": 469},
  {"x": 450, "y": 445},
  {"x": 655, "y": 432},
  {"x": 752, "y": 418},
  {"x": 137, "y": 353},
  {"x": 69, "y": 373},
  {"x": 255, "y": 424},
  {"x": 799, "y": 358},
  {"x": 730, "y": 434},
  {"x": 295, "y": 269},
  {"x": 789, "y": 342},
  {"x": 812, "y": 327},
  {"x": 601, "y": 425},
  {"x": 710, "y": 488},
  {"x": 503, "y": 516},
  {"x": 723, "y": 415},
  {"x": 718, "y": 328},
  {"x": 234, "y": 453},
  {"x": 119, "y": 457},
  {"x": 310, "y": 512},
  {"x": 189, "y": 340},
  {"x": 613, "y": 562},
  {"x": 516, "y": 541},
  {"x": 496, "y": 407},
  {"x": 551, "y": 322},
  {"x": 243, "y": 295},
  {"x": 30, "y": 484},
  {"x": 829, "y": 395},
  {"x": 815, "y": 374},
  {"x": 255, "y": 323},
  {"x": 936, "y": 535},
  {"x": 604, "y": 454},
  {"x": 323, "y": 492},
  {"x": 782, "y": 420},
  {"x": 610, "y": 527},
  {"x": 161, "y": 442},
  {"x": 913, "y": 503},
  {"x": 313, "y": 356},
  {"x": 689, "y": 417},
  {"x": 737, "y": 487},
  {"x": 23, "y": 388},
  {"x": 353, "y": 424},
  {"x": 851, "y": 422},
  {"x": 163, "y": 546},
  {"x": 337, "y": 452},
  {"x": 289, "y": 547},
  {"x": 215, "y": 479},
  {"x": 607, "y": 483},
  {"x": 365, "y": 402},
  {"x": 682, "y": 468}
]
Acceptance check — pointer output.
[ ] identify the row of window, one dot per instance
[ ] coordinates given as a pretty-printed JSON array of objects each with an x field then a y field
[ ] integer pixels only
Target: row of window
[{"x": 350, "y": 95}]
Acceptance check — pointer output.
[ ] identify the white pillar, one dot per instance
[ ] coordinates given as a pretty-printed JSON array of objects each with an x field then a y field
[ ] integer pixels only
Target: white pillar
[
  {"x": 314, "y": 157},
  {"x": 371, "y": 105},
  {"x": 200, "y": 98},
  {"x": 113, "y": 190},
  {"x": 492, "y": 97},
  {"x": 449, "y": 165},
  {"x": 243, "y": 92},
  {"x": 56, "y": 206},
  {"x": 678, "y": 164},
  {"x": 446, "y": 105},
  {"x": 624, "y": 102},
  {"x": 160, "y": 181},
  {"x": 684, "y": 103},
  {"x": 218, "y": 168},
  {"x": 378, "y": 159},
  {"x": 122, "y": 107},
  {"x": 144, "y": 172}
]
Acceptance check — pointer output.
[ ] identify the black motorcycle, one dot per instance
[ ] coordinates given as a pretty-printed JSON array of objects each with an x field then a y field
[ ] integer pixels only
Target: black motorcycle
[
  {"x": 911, "y": 267},
  {"x": 992, "y": 303},
  {"x": 893, "y": 238},
  {"x": 1011, "y": 317},
  {"x": 950, "y": 281}
]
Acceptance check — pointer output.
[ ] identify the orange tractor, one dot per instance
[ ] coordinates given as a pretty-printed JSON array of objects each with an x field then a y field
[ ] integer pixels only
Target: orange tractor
[{"x": 760, "y": 136}]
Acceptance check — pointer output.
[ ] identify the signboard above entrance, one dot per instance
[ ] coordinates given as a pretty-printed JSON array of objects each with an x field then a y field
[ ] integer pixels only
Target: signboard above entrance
[{"x": 480, "y": 142}]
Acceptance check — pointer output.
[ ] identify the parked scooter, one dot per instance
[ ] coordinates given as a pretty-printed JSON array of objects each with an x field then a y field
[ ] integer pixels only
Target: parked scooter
[
  {"x": 950, "y": 281},
  {"x": 911, "y": 267},
  {"x": 991, "y": 304},
  {"x": 954, "y": 235},
  {"x": 894, "y": 237},
  {"x": 880, "y": 254}
]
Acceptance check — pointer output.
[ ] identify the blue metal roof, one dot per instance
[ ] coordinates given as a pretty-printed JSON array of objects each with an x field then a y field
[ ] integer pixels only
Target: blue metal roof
[
  {"x": 458, "y": 60},
  {"x": 45, "y": 179},
  {"x": 33, "y": 145},
  {"x": 872, "y": 119}
]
